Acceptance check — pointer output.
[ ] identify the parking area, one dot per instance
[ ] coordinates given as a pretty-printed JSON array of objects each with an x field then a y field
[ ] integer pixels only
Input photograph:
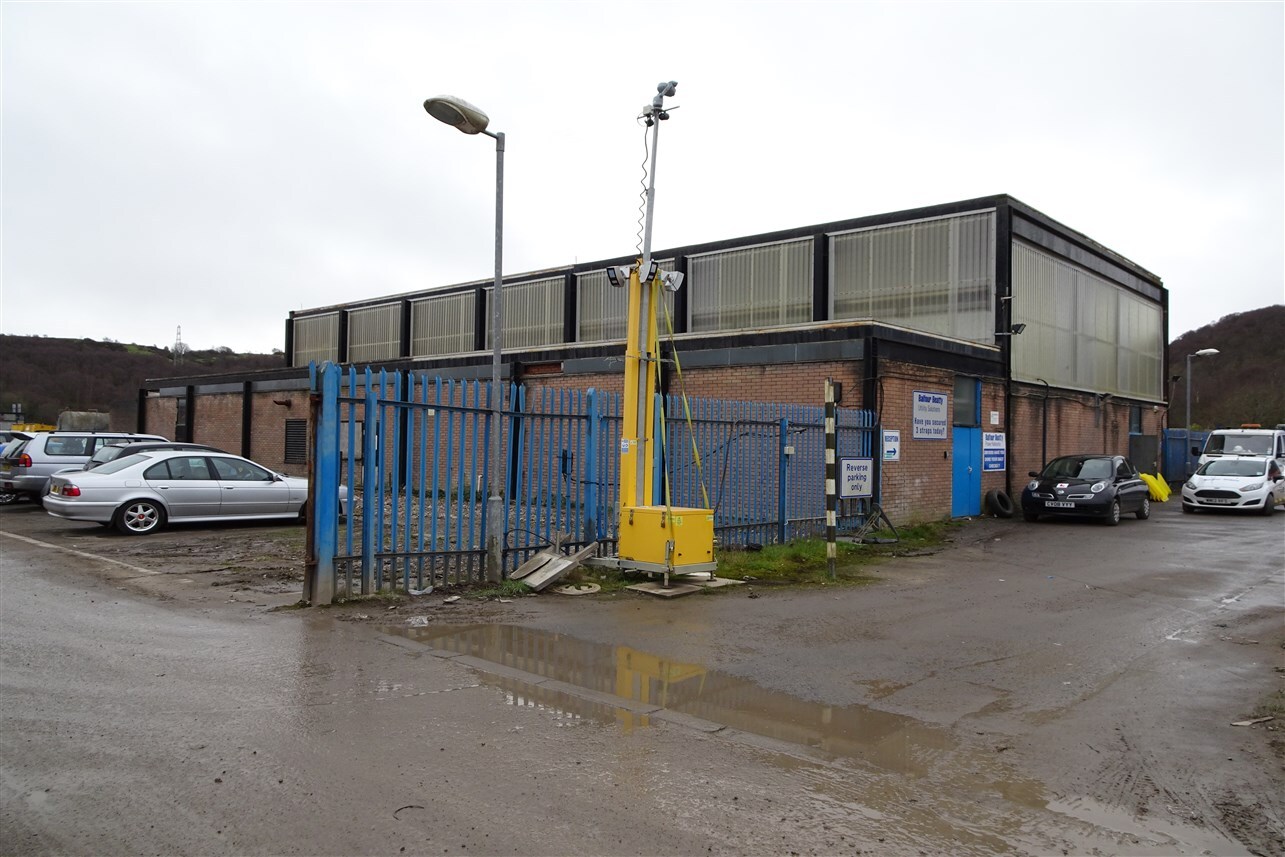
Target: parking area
[{"x": 1104, "y": 664}]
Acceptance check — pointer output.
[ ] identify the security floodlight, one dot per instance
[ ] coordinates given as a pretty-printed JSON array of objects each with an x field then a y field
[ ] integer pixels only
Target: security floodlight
[
  {"x": 671, "y": 280},
  {"x": 618, "y": 276},
  {"x": 457, "y": 113},
  {"x": 1018, "y": 328},
  {"x": 651, "y": 271}
]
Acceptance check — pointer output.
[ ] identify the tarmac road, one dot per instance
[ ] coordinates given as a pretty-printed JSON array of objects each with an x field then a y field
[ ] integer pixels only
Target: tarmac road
[{"x": 993, "y": 698}]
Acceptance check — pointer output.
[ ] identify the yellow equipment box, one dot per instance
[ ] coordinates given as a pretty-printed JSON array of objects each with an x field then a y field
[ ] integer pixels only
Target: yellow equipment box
[{"x": 646, "y": 533}]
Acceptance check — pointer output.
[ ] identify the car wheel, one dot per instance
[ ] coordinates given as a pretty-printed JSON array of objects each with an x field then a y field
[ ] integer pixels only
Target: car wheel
[
  {"x": 1144, "y": 511},
  {"x": 140, "y": 517},
  {"x": 8, "y": 497},
  {"x": 1269, "y": 503},
  {"x": 1113, "y": 514}
]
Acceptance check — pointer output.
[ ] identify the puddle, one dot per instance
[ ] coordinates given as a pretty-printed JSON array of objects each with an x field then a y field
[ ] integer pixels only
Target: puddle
[
  {"x": 910, "y": 771},
  {"x": 889, "y": 741}
]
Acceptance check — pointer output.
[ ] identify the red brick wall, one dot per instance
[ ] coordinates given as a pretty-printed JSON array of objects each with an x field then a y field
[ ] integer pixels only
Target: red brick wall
[
  {"x": 1076, "y": 422},
  {"x": 218, "y": 421}
]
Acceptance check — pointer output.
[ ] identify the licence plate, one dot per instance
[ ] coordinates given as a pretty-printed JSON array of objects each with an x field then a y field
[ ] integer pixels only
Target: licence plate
[
  {"x": 55, "y": 489},
  {"x": 1058, "y": 504},
  {"x": 1221, "y": 501}
]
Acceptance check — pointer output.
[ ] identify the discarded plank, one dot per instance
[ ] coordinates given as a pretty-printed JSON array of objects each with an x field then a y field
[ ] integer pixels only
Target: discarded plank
[{"x": 1253, "y": 722}]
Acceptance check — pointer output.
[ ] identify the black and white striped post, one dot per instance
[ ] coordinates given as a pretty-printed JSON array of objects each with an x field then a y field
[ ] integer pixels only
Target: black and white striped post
[{"x": 831, "y": 478}]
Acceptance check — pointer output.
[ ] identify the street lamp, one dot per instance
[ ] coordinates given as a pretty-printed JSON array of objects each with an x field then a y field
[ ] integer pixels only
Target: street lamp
[
  {"x": 459, "y": 114},
  {"x": 1204, "y": 352}
]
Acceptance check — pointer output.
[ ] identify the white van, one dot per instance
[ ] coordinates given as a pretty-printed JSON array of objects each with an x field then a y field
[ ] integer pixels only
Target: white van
[{"x": 1261, "y": 442}]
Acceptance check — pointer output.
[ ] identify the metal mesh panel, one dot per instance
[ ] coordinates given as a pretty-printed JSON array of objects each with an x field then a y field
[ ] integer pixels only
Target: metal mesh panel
[
  {"x": 316, "y": 337},
  {"x": 1083, "y": 331},
  {"x": 532, "y": 313},
  {"x": 933, "y": 275},
  {"x": 442, "y": 324},
  {"x": 374, "y": 333},
  {"x": 765, "y": 286}
]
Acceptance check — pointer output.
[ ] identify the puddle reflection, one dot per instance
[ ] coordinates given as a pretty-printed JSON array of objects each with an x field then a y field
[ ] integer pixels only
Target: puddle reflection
[{"x": 889, "y": 741}]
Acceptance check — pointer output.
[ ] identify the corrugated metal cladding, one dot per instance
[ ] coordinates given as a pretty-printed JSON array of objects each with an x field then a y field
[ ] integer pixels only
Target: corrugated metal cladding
[
  {"x": 316, "y": 337},
  {"x": 442, "y": 324},
  {"x": 375, "y": 333},
  {"x": 532, "y": 313},
  {"x": 602, "y": 308},
  {"x": 933, "y": 275},
  {"x": 1083, "y": 331},
  {"x": 765, "y": 286}
]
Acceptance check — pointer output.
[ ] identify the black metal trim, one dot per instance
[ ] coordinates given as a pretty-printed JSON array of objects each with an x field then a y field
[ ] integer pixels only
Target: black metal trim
[{"x": 247, "y": 418}]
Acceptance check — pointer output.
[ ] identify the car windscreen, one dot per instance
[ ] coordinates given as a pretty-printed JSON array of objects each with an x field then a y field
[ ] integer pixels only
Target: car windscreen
[
  {"x": 1233, "y": 467},
  {"x": 108, "y": 453},
  {"x": 1080, "y": 468},
  {"x": 120, "y": 463},
  {"x": 1239, "y": 444}
]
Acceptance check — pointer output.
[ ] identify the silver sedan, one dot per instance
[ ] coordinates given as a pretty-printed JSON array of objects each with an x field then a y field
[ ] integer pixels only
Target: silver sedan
[{"x": 139, "y": 494}]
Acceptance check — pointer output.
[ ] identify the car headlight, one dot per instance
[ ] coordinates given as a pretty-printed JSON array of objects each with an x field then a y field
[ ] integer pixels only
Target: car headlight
[
  {"x": 1097, "y": 486},
  {"x": 1190, "y": 484},
  {"x": 1254, "y": 486}
]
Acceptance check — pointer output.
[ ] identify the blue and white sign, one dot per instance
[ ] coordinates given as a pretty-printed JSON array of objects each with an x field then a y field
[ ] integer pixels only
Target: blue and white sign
[
  {"x": 892, "y": 445},
  {"x": 930, "y": 414},
  {"x": 856, "y": 477},
  {"x": 994, "y": 451}
]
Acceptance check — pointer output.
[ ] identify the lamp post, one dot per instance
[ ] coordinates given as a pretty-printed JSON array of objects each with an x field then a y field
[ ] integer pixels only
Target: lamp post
[
  {"x": 1204, "y": 352},
  {"x": 470, "y": 120}
]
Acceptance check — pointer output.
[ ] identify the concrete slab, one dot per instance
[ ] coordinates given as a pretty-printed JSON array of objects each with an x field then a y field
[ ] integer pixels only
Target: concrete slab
[
  {"x": 710, "y": 583},
  {"x": 660, "y": 591}
]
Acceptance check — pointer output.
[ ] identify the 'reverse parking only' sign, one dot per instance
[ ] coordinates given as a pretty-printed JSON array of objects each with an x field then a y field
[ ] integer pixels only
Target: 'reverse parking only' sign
[
  {"x": 930, "y": 415},
  {"x": 856, "y": 478}
]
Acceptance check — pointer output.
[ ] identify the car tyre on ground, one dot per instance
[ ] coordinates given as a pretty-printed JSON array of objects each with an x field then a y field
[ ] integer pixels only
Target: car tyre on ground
[
  {"x": 1144, "y": 511},
  {"x": 1269, "y": 504},
  {"x": 1113, "y": 514},
  {"x": 139, "y": 517}
]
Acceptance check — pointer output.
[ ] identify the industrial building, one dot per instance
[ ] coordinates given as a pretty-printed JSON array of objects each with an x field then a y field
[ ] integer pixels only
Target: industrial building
[{"x": 985, "y": 335}]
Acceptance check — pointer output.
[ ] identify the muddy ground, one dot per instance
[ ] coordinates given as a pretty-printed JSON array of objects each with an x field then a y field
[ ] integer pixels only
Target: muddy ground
[{"x": 1107, "y": 665}]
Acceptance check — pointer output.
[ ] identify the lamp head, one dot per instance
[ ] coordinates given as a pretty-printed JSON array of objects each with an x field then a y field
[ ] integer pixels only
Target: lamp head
[
  {"x": 458, "y": 113},
  {"x": 1206, "y": 352}
]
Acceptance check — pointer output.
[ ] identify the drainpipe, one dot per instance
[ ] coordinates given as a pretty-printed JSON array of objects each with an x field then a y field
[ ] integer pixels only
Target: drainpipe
[{"x": 1044, "y": 425}]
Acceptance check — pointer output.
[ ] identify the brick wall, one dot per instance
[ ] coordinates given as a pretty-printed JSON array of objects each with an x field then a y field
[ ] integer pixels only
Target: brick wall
[
  {"x": 1076, "y": 422},
  {"x": 218, "y": 421}
]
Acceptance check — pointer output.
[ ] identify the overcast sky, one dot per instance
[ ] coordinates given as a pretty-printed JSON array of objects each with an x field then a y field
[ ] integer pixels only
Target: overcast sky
[{"x": 217, "y": 165}]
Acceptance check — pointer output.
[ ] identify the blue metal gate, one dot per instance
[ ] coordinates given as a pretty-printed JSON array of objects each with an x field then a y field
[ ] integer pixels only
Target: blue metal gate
[{"x": 413, "y": 453}]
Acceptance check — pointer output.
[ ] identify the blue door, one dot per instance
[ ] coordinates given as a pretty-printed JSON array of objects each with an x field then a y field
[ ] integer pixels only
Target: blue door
[{"x": 966, "y": 493}]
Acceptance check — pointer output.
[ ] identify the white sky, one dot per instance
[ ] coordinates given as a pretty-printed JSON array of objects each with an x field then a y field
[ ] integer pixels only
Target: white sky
[{"x": 216, "y": 165}]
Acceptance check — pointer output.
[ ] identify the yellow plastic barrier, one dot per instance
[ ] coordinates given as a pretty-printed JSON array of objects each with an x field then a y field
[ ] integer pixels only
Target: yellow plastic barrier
[{"x": 1158, "y": 487}]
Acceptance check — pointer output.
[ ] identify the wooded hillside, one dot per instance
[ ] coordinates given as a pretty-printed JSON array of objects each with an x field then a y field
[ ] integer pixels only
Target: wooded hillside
[
  {"x": 1243, "y": 383},
  {"x": 49, "y": 375}
]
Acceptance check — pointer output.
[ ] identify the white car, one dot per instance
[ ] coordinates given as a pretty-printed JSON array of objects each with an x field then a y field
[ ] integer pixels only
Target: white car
[
  {"x": 1243, "y": 482},
  {"x": 140, "y": 493}
]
